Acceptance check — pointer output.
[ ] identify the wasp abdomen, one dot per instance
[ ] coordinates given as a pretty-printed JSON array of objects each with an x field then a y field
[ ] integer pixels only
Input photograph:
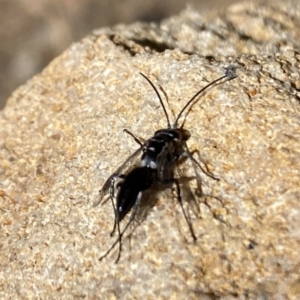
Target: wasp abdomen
[{"x": 138, "y": 180}]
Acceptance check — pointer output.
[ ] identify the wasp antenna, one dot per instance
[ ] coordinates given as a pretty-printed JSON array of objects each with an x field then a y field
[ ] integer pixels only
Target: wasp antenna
[
  {"x": 229, "y": 74},
  {"x": 160, "y": 99}
]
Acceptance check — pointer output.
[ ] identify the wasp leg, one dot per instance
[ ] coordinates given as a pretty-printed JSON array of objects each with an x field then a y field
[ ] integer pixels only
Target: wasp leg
[
  {"x": 190, "y": 156},
  {"x": 121, "y": 233},
  {"x": 134, "y": 137},
  {"x": 175, "y": 181},
  {"x": 112, "y": 196}
]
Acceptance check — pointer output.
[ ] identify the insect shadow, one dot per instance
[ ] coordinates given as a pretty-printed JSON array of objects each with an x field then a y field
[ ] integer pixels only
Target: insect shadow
[{"x": 153, "y": 164}]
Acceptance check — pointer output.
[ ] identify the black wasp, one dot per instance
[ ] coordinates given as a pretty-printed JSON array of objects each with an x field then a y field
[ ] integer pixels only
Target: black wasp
[{"x": 159, "y": 155}]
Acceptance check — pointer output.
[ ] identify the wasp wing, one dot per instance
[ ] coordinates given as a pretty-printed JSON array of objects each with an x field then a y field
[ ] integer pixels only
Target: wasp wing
[
  {"x": 184, "y": 180},
  {"x": 199, "y": 192},
  {"x": 187, "y": 194},
  {"x": 103, "y": 191}
]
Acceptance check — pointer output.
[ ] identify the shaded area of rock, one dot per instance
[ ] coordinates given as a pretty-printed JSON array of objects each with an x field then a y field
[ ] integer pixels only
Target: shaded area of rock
[{"x": 252, "y": 28}]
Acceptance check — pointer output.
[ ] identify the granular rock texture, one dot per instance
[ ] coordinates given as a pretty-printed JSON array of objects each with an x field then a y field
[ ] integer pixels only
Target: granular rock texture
[{"x": 62, "y": 135}]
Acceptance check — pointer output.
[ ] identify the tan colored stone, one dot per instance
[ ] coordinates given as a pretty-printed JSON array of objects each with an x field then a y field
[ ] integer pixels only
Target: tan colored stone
[{"x": 62, "y": 136}]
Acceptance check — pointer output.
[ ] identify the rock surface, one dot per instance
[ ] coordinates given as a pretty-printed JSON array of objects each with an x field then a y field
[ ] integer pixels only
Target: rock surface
[{"x": 62, "y": 136}]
